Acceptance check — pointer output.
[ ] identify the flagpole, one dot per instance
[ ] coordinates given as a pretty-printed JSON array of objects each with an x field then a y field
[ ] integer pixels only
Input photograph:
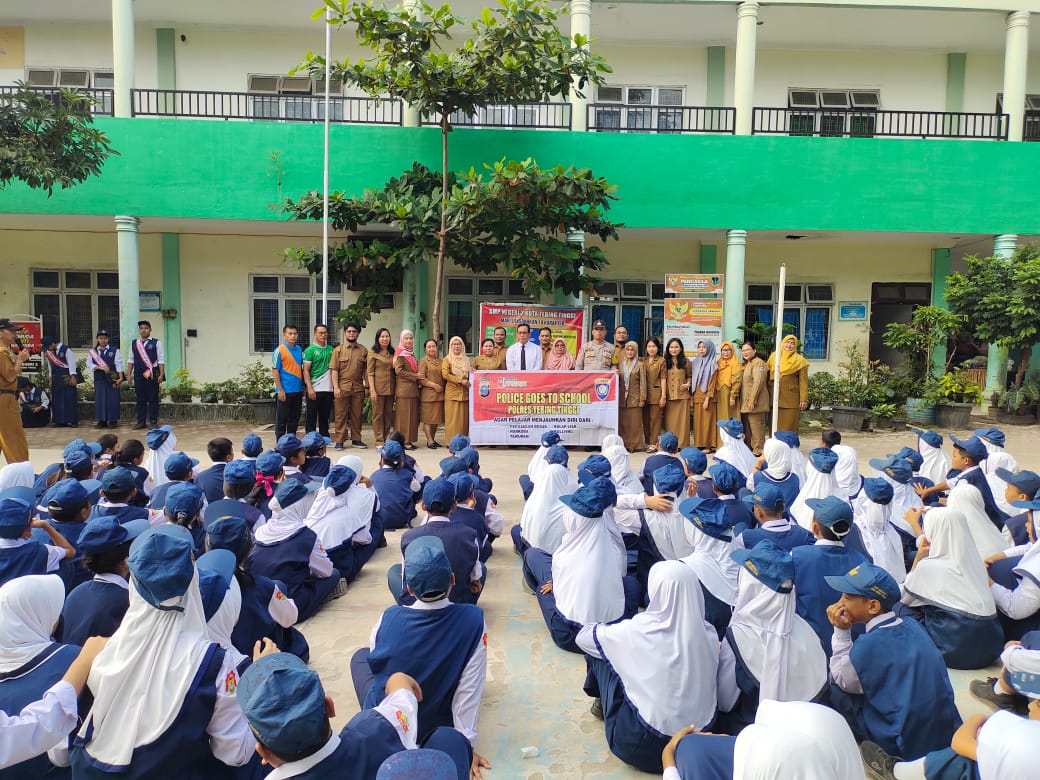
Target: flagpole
[
  {"x": 325, "y": 174},
  {"x": 778, "y": 344}
]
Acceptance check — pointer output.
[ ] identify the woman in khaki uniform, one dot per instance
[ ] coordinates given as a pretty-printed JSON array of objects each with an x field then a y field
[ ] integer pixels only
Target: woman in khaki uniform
[
  {"x": 704, "y": 387},
  {"x": 655, "y": 398},
  {"x": 381, "y": 385},
  {"x": 431, "y": 393},
  {"x": 455, "y": 370},
  {"x": 406, "y": 395},
  {"x": 488, "y": 360},
  {"x": 677, "y": 380},
  {"x": 794, "y": 384},
  {"x": 631, "y": 397},
  {"x": 728, "y": 382},
  {"x": 754, "y": 397}
]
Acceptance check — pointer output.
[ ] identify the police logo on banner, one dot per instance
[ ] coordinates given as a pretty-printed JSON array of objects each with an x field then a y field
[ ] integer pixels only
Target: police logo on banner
[
  {"x": 602, "y": 389},
  {"x": 484, "y": 387}
]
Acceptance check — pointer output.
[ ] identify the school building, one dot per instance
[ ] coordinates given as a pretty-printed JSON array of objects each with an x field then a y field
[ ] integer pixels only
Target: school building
[{"x": 869, "y": 145}]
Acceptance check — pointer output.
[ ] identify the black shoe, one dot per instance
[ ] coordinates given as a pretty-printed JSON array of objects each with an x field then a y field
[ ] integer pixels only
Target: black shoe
[
  {"x": 359, "y": 445},
  {"x": 100, "y": 425},
  {"x": 597, "y": 709},
  {"x": 339, "y": 446},
  {"x": 114, "y": 424},
  {"x": 140, "y": 426},
  {"x": 410, "y": 447},
  {"x": 382, "y": 543},
  {"x": 434, "y": 445},
  {"x": 983, "y": 691},
  {"x": 877, "y": 760}
]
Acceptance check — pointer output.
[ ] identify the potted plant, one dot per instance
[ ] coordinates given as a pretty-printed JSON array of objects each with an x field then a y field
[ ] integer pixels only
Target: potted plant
[
  {"x": 1018, "y": 405},
  {"x": 882, "y": 414},
  {"x": 229, "y": 391},
  {"x": 929, "y": 328},
  {"x": 859, "y": 387},
  {"x": 955, "y": 395},
  {"x": 210, "y": 393},
  {"x": 823, "y": 390},
  {"x": 257, "y": 388},
  {"x": 184, "y": 388}
]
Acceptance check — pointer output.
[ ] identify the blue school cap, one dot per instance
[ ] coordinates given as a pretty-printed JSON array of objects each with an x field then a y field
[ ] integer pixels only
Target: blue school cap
[
  {"x": 93, "y": 449},
  {"x": 931, "y": 438},
  {"x": 733, "y": 427},
  {"x": 77, "y": 462},
  {"x": 768, "y": 563},
  {"x": 833, "y": 513},
  {"x": 992, "y": 435},
  {"x": 557, "y": 453},
  {"x": 313, "y": 442},
  {"x": 227, "y": 532},
  {"x": 162, "y": 565},
  {"x": 105, "y": 532},
  {"x": 823, "y": 459},
  {"x": 896, "y": 468},
  {"x": 252, "y": 445},
  {"x": 179, "y": 465},
  {"x": 767, "y": 496},
  {"x": 284, "y": 703},
  {"x": 870, "y": 581},
  {"x": 288, "y": 445},
  {"x": 592, "y": 499},
  {"x": 911, "y": 456},
  {"x": 470, "y": 457},
  {"x": 708, "y": 515},
  {"x": 16, "y": 504},
  {"x": 392, "y": 452},
  {"x": 117, "y": 480},
  {"x": 157, "y": 436},
  {"x": 1026, "y": 481},
  {"x": 669, "y": 478},
  {"x": 184, "y": 501},
  {"x": 216, "y": 570},
  {"x": 451, "y": 465},
  {"x": 458, "y": 443},
  {"x": 439, "y": 495},
  {"x": 340, "y": 479},
  {"x": 593, "y": 467},
  {"x": 70, "y": 494},
  {"x": 427, "y": 570},
  {"x": 790, "y": 438},
  {"x": 974, "y": 447},
  {"x": 549, "y": 438},
  {"x": 695, "y": 460},
  {"x": 668, "y": 442},
  {"x": 464, "y": 484},
  {"x": 269, "y": 463},
  {"x": 424, "y": 763},
  {"x": 726, "y": 477},
  {"x": 289, "y": 491},
  {"x": 240, "y": 472},
  {"x": 878, "y": 490}
]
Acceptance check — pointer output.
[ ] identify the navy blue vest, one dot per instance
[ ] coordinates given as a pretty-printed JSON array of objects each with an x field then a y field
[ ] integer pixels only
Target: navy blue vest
[
  {"x": 471, "y": 518},
  {"x": 287, "y": 561},
  {"x": 152, "y": 350},
  {"x": 40, "y": 485},
  {"x": 396, "y": 500},
  {"x": 157, "y": 500},
  {"x": 255, "y": 621},
  {"x": 788, "y": 487},
  {"x": 25, "y": 559},
  {"x": 93, "y": 609},
  {"x": 794, "y": 536},
  {"x": 811, "y": 564},
  {"x": 124, "y": 514},
  {"x": 317, "y": 467},
  {"x": 71, "y": 570},
  {"x": 211, "y": 482},
  {"x": 461, "y": 547},
  {"x": 652, "y": 464}
]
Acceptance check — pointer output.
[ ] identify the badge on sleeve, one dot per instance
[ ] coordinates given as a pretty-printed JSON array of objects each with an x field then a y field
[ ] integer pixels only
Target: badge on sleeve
[
  {"x": 485, "y": 639},
  {"x": 231, "y": 683},
  {"x": 279, "y": 596},
  {"x": 403, "y": 720}
]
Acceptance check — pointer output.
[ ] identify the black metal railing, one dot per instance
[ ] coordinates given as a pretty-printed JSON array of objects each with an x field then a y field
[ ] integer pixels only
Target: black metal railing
[
  {"x": 860, "y": 123},
  {"x": 529, "y": 116},
  {"x": 102, "y": 98},
  {"x": 616, "y": 118},
  {"x": 1031, "y": 126},
  {"x": 264, "y": 107}
]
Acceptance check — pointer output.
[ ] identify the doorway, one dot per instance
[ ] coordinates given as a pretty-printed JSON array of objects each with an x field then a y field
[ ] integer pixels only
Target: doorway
[{"x": 893, "y": 302}]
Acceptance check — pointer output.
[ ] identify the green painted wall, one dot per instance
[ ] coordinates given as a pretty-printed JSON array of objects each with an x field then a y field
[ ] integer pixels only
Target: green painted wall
[
  {"x": 223, "y": 170},
  {"x": 709, "y": 259}
]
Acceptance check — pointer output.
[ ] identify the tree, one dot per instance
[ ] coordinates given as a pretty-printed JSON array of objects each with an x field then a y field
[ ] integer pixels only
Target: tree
[
  {"x": 1001, "y": 300},
  {"x": 930, "y": 327},
  {"x": 513, "y": 55},
  {"x": 47, "y": 139},
  {"x": 517, "y": 216}
]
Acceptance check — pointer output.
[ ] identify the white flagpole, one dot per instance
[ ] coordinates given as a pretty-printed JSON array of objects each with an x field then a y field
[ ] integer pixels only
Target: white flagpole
[
  {"x": 325, "y": 173},
  {"x": 778, "y": 345}
]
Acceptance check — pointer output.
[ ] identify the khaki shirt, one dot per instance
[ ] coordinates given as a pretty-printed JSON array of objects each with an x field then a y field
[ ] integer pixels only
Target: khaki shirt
[
  {"x": 380, "y": 373},
  {"x": 407, "y": 380},
  {"x": 348, "y": 367},
  {"x": 753, "y": 387},
  {"x": 8, "y": 369},
  {"x": 595, "y": 357}
]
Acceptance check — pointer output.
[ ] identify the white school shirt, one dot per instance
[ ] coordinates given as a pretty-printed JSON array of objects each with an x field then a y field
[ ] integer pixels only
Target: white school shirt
[
  {"x": 277, "y": 530},
  {"x": 113, "y": 579},
  {"x": 1006, "y": 749},
  {"x": 92, "y": 366},
  {"x": 465, "y": 704},
  {"x": 160, "y": 353},
  {"x": 39, "y": 725},
  {"x": 55, "y": 555},
  {"x": 842, "y": 670}
]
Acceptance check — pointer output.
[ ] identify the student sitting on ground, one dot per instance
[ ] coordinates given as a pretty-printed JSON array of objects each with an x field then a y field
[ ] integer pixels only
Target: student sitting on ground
[
  {"x": 767, "y": 502},
  {"x": 118, "y": 492},
  {"x": 252, "y": 446},
  {"x": 179, "y": 469},
  {"x": 667, "y": 454},
  {"x": 240, "y": 485},
  {"x": 348, "y": 537},
  {"x": 20, "y": 554},
  {"x": 68, "y": 507},
  {"x": 269, "y": 474},
  {"x": 1021, "y": 486},
  {"x": 872, "y": 514},
  {"x": 464, "y": 513},
  {"x": 534, "y": 467},
  {"x": 291, "y": 448},
  {"x": 667, "y": 530},
  {"x": 819, "y": 482},
  {"x": 317, "y": 464},
  {"x": 734, "y": 449},
  {"x": 967, "y": 455},
  {"x": 541, "y": 523},
  {"x": 694, "y": 463},
  {"x": 936, "y": 465},
  {"x": 1015, "y": 580},
  {"x": 397, "y": 488},
  {"x": 799, "y": 463},
  {"x": 161, "y": 443},
  {"x": 773, "y": 468},
  {"x": 221, "y": 452},
  {"x": 184, "y": 505},
  {"x": 712, "y": 538}
]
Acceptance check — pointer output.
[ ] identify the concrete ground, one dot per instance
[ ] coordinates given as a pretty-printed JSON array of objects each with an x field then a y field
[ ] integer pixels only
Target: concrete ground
[{"x": 533, "y": 695}]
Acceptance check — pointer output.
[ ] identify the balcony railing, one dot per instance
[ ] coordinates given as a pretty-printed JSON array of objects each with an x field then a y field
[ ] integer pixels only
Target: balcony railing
[
  {"x": 264, "y": 107},
  {"x": 102, "y": 105},
  {"x": 860, "y": 123},
  {"x": 522, "y": 116},
  {"x": 616, "y": 118}
]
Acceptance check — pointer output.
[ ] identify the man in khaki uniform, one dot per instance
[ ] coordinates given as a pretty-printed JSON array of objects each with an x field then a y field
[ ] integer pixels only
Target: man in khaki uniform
[
  {"x": 499, "y": 337},
  {"x": 348, "y": 364},
  {"x": 754, "y": 398},
  {"x": 13, "y": 444},
  {"x": 620, "y": 339},
  {"x": 596, "y": 355},
  {"x": 545, "y": 337}
]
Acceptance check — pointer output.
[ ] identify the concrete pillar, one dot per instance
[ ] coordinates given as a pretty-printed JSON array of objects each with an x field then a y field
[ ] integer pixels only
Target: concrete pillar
[
  {"x": 744, "y": 65},
  {"x": 173, "y": 339},
  {"x": 1016, "y": 54},
  {"x": 129, "y": 281},
  {"x": 1003, "y": 247},
  {"x": 122, "y": 55},
  {"x": 581, "y": 24},
  {"x": 940, "y": 273},
  {"x": 733, "y": 297},
  {"x": 410, "y": 301},
  {"x": 410, "y": 115}
]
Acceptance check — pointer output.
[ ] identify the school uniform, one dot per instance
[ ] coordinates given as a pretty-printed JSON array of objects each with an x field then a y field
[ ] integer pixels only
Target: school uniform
[
  {"x": 29, "y": 733},
  {"x": 295, "y": 559},
  {"x": 1016, "y": 591},
  {"x": 64, "y": 400},
  {"x": 1016, "y": 528},
  {"x": 104, "y": 362},
  {"x": 812, "y": 563},
  {"x": 346, "y": 529},
  {"x": 316, "y": 466},
  {"x": 782, "y": 533},
  {"x": 157, "y": 500},
  {"x": 211, "y": 481},
  {"x": 94, "y": 608},
  {"x": 23, "y": 557},
  {"x": 471, "y": 518},
  {"x": 267, "y": 612},
  {"x": 123, "y": 512},
  {"x": 146, "y": 357},
  {"x": 35, "y": 407},
  {"x": 70, "y": 570},
  {"x": 976, "y": 477},
  {"x": 294, "y": 472},
  {"x": 652, "y": 464},
  {"x": 462, "y": 547},
  {"x": 396, "y": 491},
  {"x": 789, "y": 486}
]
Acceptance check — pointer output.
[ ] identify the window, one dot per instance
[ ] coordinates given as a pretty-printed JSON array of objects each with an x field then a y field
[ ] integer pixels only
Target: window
[
  {"x": 466, "y": 293},
  {"x": 832, "y": 112},
  {"x": 74, "y": 304},
  {"x": 639, "y": 108},
  {"x": 75, "y": 79},
  {"x": 1031, "y": 129},
  {"x": 807, "y": 307},
  {"x": 637, "y": 304},
  {"x": 294, "y": 97},
  {"x": 277, "y": 300}
]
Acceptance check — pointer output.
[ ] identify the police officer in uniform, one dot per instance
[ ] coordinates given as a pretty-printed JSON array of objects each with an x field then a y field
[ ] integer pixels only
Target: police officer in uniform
[
  {"x": 596, "y": 355},
  {"x": 12, "y": 437}
]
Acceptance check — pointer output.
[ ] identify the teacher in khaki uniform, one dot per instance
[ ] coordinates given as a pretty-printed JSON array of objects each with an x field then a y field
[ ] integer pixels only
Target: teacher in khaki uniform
[
  {"x": 794, "y": 383},
  {"x": 754, "y": 397},
  {"x": 12, "y": 436},
  {"x": 348, "y": 366}
]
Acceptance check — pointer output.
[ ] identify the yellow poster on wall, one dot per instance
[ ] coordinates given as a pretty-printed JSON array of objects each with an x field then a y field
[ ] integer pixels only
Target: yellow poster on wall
[{"x": 12, "y": 48}]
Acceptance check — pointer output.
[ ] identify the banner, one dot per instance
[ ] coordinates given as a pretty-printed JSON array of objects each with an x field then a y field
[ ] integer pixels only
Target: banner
[
  {"x": 566, "y": 321},
  {"x": 693, "y": 284},
  {"x": 691, "y": 320},
  {"x": 517, "y": 407},
  {"x": 30, "y": 339}
]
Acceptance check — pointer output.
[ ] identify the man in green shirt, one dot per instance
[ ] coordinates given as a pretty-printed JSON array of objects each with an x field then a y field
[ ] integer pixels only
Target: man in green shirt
[{"x": 318, "y": 378}]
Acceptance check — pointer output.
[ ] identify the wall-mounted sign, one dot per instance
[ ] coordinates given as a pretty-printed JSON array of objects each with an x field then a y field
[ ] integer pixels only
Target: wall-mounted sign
[
  {"x": 150, "y": 300},
  {"x": 852, "y": 311}
]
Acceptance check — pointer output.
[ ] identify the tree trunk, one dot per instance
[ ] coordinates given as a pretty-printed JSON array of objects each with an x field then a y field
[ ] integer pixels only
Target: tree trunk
[
  {"x": 1024, "y": 359},
  {"x": 442, "y": 249}
]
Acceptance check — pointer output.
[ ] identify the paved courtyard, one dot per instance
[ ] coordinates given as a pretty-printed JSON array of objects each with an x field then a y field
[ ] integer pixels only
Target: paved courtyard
[{"x": 533, "y": 694}]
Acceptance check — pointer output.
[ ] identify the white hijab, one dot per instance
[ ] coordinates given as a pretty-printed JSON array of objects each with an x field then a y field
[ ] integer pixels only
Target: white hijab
[
  {"x": 712, "y": 564},
  {"x": 625, "y": 481},
  {"x": 796, "y": 741},
  {"x": 799, "y": 464},
  {"x": 736, "y": 453},
  {"x": 222, "y": 624},
  {"x": 537, "y": 463},
  {"x": 966, "y": 499},
  {"x": 542, "y": 520},
  {"x": 815, "y": 484},
  {"x": 846, "y": 470},
  {"x": 778, "y": 460},
  {"x": 17, "y": 475},
  {"x": 29, "y": 610},
  {"x": 953, "y": 575},
  {"x": 333, "y": 518},
  {"x": 155, "y": 464},
  {"x": 362, "y": 500},
  {"x": 142, "y": 676},
  {"x": 880, "y": 538},
  {"x": 936, "y": 462},
  {"x": 284, "y": 522},
  {"x": 667, "y": 656},
  {"x": 903, "y": 498},
  {"x": 669, "y": 531},
  {"x": 778, "y": 647},
  {"x": 999, "y": 458},
  {"x": 610, "y": 440},
  {"x": 587, "y": 555}
]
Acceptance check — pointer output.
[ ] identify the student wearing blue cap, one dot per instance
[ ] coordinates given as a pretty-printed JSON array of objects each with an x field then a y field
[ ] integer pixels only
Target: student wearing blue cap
[
  {"x": 727, "y": 484},
  {"x": 767, "y": 503},
  {"x": 831, "y": 524},
  {"x": 1015, "y": 573},
  {"x": 442, "y": 645},
  {"x": 890, "y": 683},
  {"x": 317, "y": 464},
  {"x": 240, "y": 484},
  {"x": 184, "y": 711},
  {"x": 935, "y": 463},
  {"x": 269, "y": 474},
  {"x": 348, "y": 536},
  {"x": 694, "y": 463},
  {"x": 179, "y": 469},
  {"x": 667, "y": 453},
  {"x": 886, "y": 545},
  {"x": 287, "y": 551},
  {"x": 819, "y": 482},
  {"x": 184, "y": 505},
  {"x": 222, "y": 604},
  {"x": 668, "y": 529},
  {"x": 967, "y": 455},
  {"x": 712, "y": 539},
  {"x": 130, "y": 456},
  {"x": 162, "y": 443},
  {"x": 20, "y": 554},
  {"x": 799, "y": 463},
  {"x": 34, "y": 404},
  {"x": 64, "y": 378},
  {"x": 408, "y": 463},
  {"x": 118, "y": 490},
  {"x": 77, "y": 462},
  {"x": 460, "y": 543},
  {"x": 252, "y": 446},
  {"x": 291, "y": 448},
  {"x": 734, "y": 449},
  {"x": 541, "y": 523},
  {"x": 1021, "y": 487},
  {"x": 220, "y": 452},
  {"x": 774, "y": 468},
  {"x": 996, "y": 458},
  {"x": 68, "y": 507},
  {"x": 464, "y": 513},
  {"x": 397, "y": 489},
  {"x": 769, "y": 652},
  {"x": 537, "y": 463}
]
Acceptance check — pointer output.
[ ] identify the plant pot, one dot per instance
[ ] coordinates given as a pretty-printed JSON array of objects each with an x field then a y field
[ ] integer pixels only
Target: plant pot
[
  {"x": 263, "y": 410},
  {"x": 953, "y": 416},
  {"x": 920, "y": 411},
  {"x": 849, "y": 418},
  {"x": 898, "y": 423},
  {"x": 1011, "y": 418},
  {"x": 882, "y": 423}
]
